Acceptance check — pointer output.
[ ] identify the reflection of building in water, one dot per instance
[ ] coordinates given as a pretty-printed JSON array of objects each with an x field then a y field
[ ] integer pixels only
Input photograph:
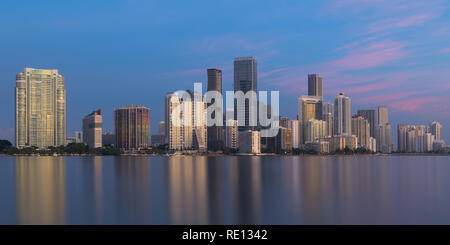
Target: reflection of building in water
[
  {"x": 133, "y": 189},
  {"x": 188, "y": 190},
  {"x": 40, "y": 190},
  {"x": 91, "y": 196},
  {"x": 246, "y": 190}
]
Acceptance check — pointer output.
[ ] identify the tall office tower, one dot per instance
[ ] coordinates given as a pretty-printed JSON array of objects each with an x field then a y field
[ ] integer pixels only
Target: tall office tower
[
  {"x": 309, "y": 107},
  {"x": 315, "y": 130},
  {"x": 132, "y": 127},
  {"x": 315, "y": 85},
  {"x": 92, "y": 129},
  {"x": 329, "y": 119},
  {"x": 186, "y": 122},
  {"x": 40, "y": 108},
  {"x": 372, "y": 116},
  {"x": 402, "y": 130},
  {"x": 245, "y": 79},
  {"x": 342, "y": 115},
  {"x": 231, "y": 134},
  {"x": 215, "y": 133},
  {"x": 384, "y": 141},
  {"x": 383, "y": 115},
  {"x": 162, "y": 128},
  {"x": 293, "y": 125},
  {"x": 250, "y": 142},
  {"x": 436, "y": 130},
  {"x": 360, "y": 128},
  {"x": 284, "y": 122}
]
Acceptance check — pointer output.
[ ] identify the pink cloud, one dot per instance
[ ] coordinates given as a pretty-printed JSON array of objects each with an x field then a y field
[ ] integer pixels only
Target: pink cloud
[
  {"x": 376, "y": 54},
  {"x": 393, "y": 23},
  {"x": 413, "y": 104},
  {"x": 444, "y": 51}
]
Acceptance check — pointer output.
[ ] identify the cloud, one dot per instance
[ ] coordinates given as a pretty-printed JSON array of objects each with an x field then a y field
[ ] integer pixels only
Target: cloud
[
  {"x": 393, "y": 23},
  {"x": 376, "y": 54},
  {"x": 444, "y": 51},
  {"x": 413, "y": 104}
]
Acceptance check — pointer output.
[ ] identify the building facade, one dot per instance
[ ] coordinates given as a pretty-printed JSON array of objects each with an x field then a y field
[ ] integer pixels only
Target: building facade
[
  {"x": 249, "y": 142},
  {"x": 132, "y": 127},
  {"x": 215, "y": 133},
  {"x": 232, "y": 134},
  {"x": 372, "y": 116},
  {"x": 245, "y": 80},
  {"x": 360, "y": 128},
  {"x": 40, "y": 108},
  {"x": 92, "y": 129},
  {"x": 315, "y": 85},
  {"x": 342, "y": 115}
]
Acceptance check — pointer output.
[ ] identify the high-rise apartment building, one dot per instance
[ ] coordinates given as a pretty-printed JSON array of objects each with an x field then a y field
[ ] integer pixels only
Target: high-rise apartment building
[
  {"x": 315, "y": 130},
  {"x": 436, "y": 130},
  {"x": 372, "y": 116},
  {"x": 383, "y": 115},
  {"x": 309, "y": 107},
  {"x": 231, "y": 134},
  {"x": 360, "y": 128},
  {"x": 215, "y": 133},
  {"x": 40, "y": 108},
  {"x": 186, "y": 121},
  {"x": 92, "y": 129},
  {"x": 315, "y": 85},
  {"x": 342, "y": 115},
  {"x": 294, "y": 126},
  {"x": 250, "y": 142},
  {"x": 132, "y": 127},
  {"x": 245, "y": 80}
]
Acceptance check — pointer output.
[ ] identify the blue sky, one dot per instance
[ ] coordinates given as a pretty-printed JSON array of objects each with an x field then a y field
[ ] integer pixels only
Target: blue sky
[{"x": 114, "y": 53}]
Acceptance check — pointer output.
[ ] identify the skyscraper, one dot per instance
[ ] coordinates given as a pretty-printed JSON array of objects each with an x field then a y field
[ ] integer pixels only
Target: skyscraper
[
  {"x": 232, "y": 134},
  {"x": 315, "y": 130},
  {"x": 309, "y": 107},
  {"x": 245, "y": 80},
  {"x": 436, "y": 130},
  {"x": 92, "y": 129},
  {"x": 315, "y": 85},
  {"x": 215, "y": 133},
  {"x": 342, "y": 115},
  {"x": 383, "y": 115},
  {"x": 132, "y": 127},
  {"x": 360, "y": 128},
  {"x": 40, "y": 108},
  {"x": 372, "y": 116},
  {"x": 186, "y": 122}
]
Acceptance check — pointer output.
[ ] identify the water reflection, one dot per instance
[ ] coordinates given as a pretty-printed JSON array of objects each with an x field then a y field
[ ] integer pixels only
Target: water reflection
[
  {"x": 229, "y": 190},
  {"x": 132, "y": 184},
  {"x": 40, "y": 190}
]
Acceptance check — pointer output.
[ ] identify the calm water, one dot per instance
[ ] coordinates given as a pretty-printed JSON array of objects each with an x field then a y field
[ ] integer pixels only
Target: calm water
[{"x": 225, "y": 190}]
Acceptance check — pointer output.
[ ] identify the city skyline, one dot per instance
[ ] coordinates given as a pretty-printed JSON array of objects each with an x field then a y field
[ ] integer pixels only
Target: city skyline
[{"x": 389, "y": 69}]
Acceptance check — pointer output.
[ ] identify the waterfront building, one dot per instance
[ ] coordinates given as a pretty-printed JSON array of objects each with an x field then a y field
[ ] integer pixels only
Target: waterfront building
[
  {"x": 231, "y": 134},
  {"x": 309, "y": 107},
  {"x": 342, "y": 115},
  {"x": 157, "y": 140},
  {"x": 215, "y": 133},
  {"x": 92, "y": 129},
  {"x": 320, "y": 147},
  {"x": 132, "y": 127},
  {"x": 372, "y": 144},
  {"x": 372, "y": 116},
  {"x": 249, "y": 142},
  {"x": 315, "y": 130},
  {"x": 40, "y": 108},
  {"x": 315, "y": 85},
  {"x": 436, "y": 130},
  {"x": 383, "y": 115},
  {"x": 384, "y": 141},
  {"x": 293, "y": 125},
  {"x": 341, "y": 142},
  {"x": 186, "y": 121},
  {"x": 361, "y": 128},
  {"x": 245, "y": 80}
]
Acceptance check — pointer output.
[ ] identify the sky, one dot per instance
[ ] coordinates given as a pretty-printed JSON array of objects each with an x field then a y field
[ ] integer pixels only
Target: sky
[{"x": 114, "y": 53}]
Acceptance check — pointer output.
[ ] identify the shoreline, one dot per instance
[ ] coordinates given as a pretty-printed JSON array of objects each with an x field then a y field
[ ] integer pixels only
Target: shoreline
[{"x": 225, "y": 155}]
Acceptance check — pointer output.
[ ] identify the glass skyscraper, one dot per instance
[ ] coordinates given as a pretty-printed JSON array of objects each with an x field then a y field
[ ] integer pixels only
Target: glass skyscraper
[
  {"x": 245, "y": 80},
  {"x": 40, "y": 108},
  {"x": 315, "y": 85}
]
